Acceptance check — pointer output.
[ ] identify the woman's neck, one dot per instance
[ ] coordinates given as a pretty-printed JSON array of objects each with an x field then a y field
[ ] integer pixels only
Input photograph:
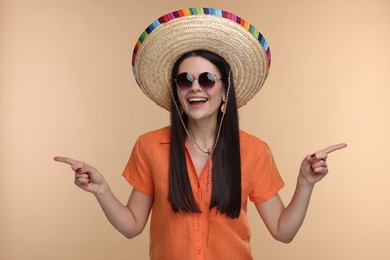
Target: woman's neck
[{"x": 202, "y": 132}]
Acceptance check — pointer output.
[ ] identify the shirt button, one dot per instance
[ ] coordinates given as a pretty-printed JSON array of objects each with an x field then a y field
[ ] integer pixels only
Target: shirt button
[
  {"x": 199, "y": 251},
  {"x": 197, "y": 228}
]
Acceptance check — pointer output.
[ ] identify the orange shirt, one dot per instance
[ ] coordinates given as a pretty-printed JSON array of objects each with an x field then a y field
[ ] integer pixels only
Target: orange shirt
[{"x": 207, "y": 235}]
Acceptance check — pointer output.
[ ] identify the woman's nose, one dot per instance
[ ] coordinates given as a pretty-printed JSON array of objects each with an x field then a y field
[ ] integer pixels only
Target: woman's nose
[{"x": 195, "y": 85}]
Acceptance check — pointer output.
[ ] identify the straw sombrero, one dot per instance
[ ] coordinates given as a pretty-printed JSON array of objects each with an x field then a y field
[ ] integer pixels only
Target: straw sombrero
[{"x": 182, "y": 31}]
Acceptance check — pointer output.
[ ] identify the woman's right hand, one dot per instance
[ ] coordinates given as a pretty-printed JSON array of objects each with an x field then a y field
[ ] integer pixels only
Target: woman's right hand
[{"x": 86, "y": 176}]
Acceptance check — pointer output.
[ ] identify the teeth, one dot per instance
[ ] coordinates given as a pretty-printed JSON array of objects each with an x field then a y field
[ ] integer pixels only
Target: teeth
[{"x": 197, "y": 99}]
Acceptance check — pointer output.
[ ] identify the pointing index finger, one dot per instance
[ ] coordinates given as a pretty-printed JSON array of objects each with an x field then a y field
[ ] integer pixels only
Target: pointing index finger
[
  {"x": 333, "y": 148},
  {"x": 66, "y": 160}
]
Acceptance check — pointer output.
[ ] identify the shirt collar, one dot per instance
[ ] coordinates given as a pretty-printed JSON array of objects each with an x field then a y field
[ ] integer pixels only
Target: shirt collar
[{"x": 166, "y": 136}]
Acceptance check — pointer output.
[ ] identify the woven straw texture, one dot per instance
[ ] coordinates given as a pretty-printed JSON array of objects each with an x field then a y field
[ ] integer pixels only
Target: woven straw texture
[{"x": 168, "y": 41}]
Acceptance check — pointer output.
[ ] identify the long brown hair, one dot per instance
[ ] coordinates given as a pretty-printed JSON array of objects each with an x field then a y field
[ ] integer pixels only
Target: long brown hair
[{"x": 226, "y": 175}]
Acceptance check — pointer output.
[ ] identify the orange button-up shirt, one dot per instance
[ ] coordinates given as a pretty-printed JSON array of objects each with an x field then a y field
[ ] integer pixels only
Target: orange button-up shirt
[{"x": 208, "y": 235}]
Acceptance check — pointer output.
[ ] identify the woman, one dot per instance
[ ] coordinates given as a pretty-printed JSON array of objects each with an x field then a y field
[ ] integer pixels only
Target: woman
[{"x": 198, "y": 173}]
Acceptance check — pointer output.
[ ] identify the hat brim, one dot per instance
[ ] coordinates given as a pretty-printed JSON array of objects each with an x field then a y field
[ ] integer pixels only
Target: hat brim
[{"x": 220, "y": 32}]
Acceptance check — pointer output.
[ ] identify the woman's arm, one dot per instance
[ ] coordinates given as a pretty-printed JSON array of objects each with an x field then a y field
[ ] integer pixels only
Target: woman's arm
[
  {"x": 128, "y": 219},
  {"x": 131, "y": 219},
  {"x": 284, "y": 222}
]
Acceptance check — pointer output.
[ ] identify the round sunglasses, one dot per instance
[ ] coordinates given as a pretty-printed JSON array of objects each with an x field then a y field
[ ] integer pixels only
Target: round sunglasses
[{"x": 206, "y": 80}]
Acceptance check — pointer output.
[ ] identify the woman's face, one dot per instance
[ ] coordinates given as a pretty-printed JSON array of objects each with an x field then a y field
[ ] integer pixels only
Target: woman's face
[{"x": 198, "y": 102}]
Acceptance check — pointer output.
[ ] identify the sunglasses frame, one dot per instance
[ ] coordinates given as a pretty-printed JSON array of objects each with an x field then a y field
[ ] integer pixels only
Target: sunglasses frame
[{"x": 202, "y": 76}]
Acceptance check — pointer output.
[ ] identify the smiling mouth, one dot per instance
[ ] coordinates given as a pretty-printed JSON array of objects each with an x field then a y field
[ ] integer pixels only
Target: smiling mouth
[{"x": 197, "y": 100}]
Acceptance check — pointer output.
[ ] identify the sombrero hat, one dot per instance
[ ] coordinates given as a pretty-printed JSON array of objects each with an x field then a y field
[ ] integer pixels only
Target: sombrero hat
[{"x": 217, "y": 31}]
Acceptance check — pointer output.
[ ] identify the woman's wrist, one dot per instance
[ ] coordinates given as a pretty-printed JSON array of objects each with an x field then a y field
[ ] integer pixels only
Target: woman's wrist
[
  {"x": 303, "y": 183},
  {"x": 102, "y": 191}
]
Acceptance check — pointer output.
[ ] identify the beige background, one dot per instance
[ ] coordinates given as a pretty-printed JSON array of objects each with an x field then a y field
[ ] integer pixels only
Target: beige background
[{"x": 67, "y": 89}]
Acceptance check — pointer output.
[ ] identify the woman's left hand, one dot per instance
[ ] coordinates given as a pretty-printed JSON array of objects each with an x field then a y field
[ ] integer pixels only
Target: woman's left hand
[{"x": 314, "y": 167}]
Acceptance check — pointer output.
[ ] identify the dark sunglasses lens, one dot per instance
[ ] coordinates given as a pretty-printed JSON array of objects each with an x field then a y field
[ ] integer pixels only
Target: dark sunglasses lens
[
  {"x": 207, "y": 80},
  {"x": 184, "y": 80}
]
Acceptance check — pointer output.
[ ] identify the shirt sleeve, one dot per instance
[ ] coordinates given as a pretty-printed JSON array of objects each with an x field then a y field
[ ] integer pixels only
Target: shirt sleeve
[
  {"x": 137, "y": 171},
  {"x": 266, "y": 181}
]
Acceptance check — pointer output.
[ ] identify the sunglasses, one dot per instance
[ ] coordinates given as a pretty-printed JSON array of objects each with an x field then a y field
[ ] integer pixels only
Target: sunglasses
[{"x": 206, "y": 80}]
